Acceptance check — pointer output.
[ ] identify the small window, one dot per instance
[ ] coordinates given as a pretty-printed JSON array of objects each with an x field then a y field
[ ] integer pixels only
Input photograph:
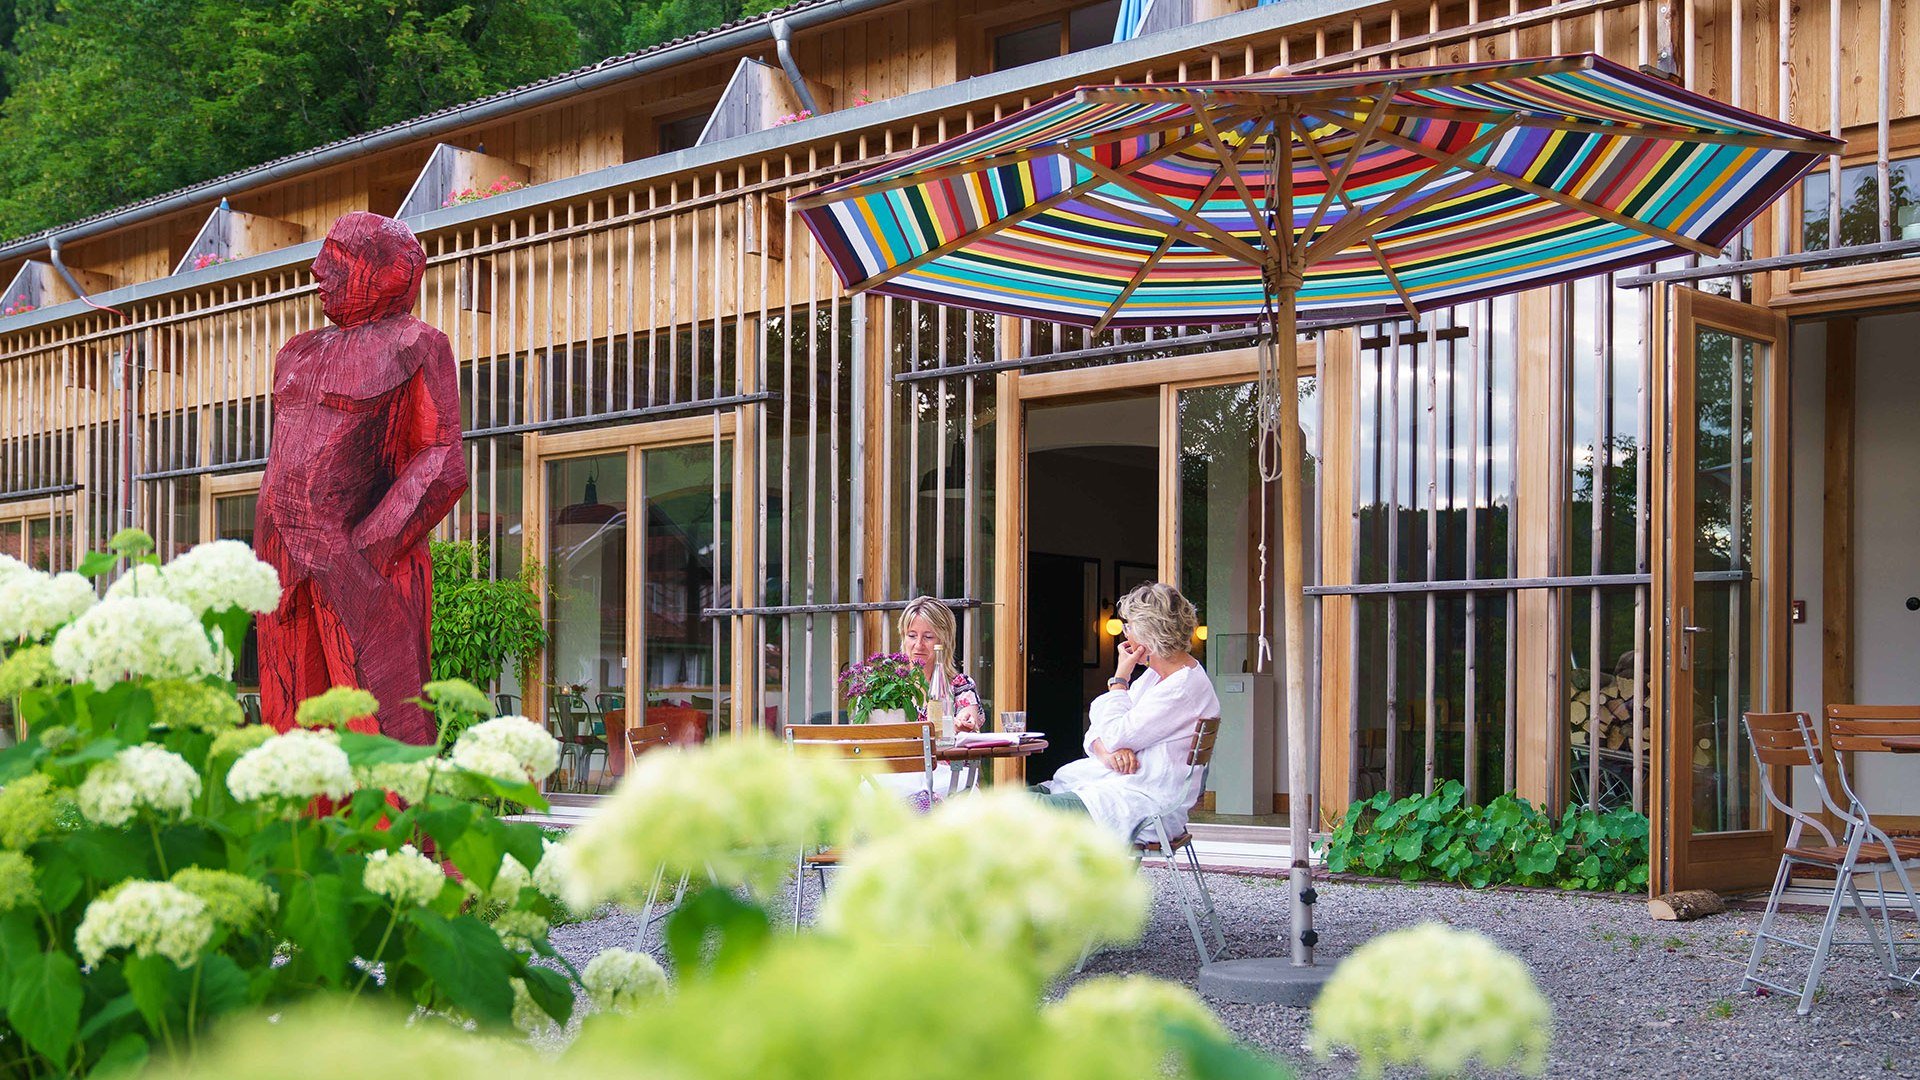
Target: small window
[
  {"x": 1085, "y": 27},
  {"x": 681, "y": 134},
  {"x": 1860, "y": 205}
]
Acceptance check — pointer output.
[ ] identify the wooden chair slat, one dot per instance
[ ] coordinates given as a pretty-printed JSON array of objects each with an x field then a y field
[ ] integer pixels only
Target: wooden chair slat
[
  {"x": 1206, "y": 733},
  {"x": 1864, "y": 729},
  {"x": 644, "y": 738},
  {"x": 1779, "y": 738}
]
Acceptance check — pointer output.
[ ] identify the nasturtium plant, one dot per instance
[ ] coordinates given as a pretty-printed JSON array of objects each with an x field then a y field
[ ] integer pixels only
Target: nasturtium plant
[{"x": 1442, "y": 837}]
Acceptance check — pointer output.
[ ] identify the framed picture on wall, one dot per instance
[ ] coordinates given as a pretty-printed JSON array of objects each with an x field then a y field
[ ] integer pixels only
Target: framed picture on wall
[{"x": 1128, "y": 576}]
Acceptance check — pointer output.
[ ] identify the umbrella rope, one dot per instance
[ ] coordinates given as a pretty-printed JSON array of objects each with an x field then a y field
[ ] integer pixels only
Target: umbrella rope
[{"x": 1268, "y": 388}]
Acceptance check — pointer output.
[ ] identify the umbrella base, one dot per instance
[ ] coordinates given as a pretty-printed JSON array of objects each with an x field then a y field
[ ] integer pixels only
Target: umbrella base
[{"x": 1263, "y": 980}]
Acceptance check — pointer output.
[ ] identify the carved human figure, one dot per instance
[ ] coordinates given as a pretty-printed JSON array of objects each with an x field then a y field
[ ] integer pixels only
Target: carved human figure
[{"x": 365, "y": 461}]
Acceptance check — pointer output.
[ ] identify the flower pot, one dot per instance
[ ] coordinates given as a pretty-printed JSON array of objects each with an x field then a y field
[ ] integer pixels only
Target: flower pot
[{"x": 887, "y": 716}]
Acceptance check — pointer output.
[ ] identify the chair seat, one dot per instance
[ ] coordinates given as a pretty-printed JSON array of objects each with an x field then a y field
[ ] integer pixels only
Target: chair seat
[
  {"x": 1908, "y": 848},
  {"x": 823, "y": 857},
  {"x": 1177, "y": 842}
]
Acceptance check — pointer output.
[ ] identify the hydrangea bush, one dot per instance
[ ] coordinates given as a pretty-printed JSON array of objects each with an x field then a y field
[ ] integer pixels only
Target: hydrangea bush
[{"x": 163, "y": 867}]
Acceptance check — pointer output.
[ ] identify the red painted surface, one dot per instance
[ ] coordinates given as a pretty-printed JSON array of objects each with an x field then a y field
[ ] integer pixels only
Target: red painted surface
[{"x": 365, "y": 461}]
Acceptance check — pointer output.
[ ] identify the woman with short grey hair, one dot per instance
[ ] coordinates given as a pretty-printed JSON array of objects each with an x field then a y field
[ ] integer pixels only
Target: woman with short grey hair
[{"x": 1142, "y": 727}]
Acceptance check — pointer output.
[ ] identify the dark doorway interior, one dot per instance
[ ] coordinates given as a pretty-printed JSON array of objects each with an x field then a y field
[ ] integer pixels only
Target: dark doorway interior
[{"x": 1092, "y": 526}]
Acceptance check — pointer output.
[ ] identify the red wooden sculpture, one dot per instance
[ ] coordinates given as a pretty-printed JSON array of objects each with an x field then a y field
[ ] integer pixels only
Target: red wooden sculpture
[{"x": 365, "y": 461}]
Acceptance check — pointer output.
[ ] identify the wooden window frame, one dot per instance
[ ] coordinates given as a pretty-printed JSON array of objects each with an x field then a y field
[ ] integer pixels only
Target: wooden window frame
[{"x": 1889, "y": 281}]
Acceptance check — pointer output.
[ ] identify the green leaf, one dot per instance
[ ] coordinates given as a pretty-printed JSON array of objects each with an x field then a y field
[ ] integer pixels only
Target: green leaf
[
  {"x": 365, "y": 750},
  {"x": 125, "y": 1056},
  {"x": 468, "y": 965},
  {"x": 1210, "y": 1057},
  {"x": 59, "y": 882},
  {"x": 106, "y": 1016},
  {"x": 223, "y": 986},
  {"x": 96, "y": 563},
  {"x": 316, "y": 921},
  {"x": 134, "y": 717},
  {"x": 742, "y": 930},
  {"x": 549, "y": 990},
  {"x": 477, "y": 851},
  {"x": 43, "y": 1003},
  {"x": 1407, "y": 848},
  {"x": 155, "y": 983},
  {"x": 19, "y": 942}
]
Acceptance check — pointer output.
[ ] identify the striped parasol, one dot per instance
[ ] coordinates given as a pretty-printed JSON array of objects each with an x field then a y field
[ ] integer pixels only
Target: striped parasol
[
  {"x": 1164, "y": 204},
  {"x": 1342, "y": 196}
]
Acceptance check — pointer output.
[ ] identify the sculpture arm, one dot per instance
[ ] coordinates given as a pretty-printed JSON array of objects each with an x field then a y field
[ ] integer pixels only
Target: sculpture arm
[{"x": 432, "y": 476}]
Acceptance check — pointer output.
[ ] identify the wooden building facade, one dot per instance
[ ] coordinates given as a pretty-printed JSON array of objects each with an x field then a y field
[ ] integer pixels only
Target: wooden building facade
[{"x": 1561, "y": 540}]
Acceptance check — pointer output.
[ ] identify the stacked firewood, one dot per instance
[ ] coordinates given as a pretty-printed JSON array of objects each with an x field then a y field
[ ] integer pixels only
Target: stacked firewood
[{"x": 1608, "y": 707}]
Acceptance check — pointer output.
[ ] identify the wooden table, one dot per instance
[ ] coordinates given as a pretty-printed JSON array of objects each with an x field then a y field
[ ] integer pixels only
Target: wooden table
[
  {"x": 1903, "y": 744},
  {"x": 963, "y": 758}
]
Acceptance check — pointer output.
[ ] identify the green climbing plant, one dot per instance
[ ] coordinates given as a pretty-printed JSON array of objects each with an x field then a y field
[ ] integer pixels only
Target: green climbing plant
[{"x": 481, "y": 624}]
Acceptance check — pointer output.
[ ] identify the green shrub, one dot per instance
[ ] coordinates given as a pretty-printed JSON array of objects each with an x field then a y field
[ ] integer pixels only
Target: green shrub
[
  {"x": 1442, "y": 837},
  {"x": 481, "y": 624}
]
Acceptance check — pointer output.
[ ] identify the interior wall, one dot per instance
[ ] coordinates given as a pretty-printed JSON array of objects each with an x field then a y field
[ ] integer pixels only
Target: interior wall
[{"x": 1886, "y": 535}]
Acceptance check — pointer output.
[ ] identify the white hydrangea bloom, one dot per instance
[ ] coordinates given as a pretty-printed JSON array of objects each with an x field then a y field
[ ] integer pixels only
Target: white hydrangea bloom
[
  {"x": 556, "y": 865},
  {"x": 1437, "y": 998},
  {"x": 221, "y": 574},
  {"x": 297, "y": 765},
  {"x": 144, "y": 776},
  {"x": 619, "y": 979},
  {"x": 521, "y": 931},
  {"x": 9, "y": 566},
  {"x": 512, "y": 749},
  {"x": 528, "y": 1016},
  {"x": 997, "y": 871},
  {"x": 131, "y": 637},
  {"x": 406, "y": 877},
  {"x": 33, "y": 604},
  {"x": 140, "y": 579},
  {"x": 149, "y": 917},
  {"x": 409, "y": 780}
]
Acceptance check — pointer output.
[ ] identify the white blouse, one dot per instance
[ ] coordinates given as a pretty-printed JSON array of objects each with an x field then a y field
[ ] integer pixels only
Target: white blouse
[{"x": 1154, "y": 718}]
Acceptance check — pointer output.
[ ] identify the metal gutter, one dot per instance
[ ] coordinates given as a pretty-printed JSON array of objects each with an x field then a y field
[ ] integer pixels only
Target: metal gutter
[
  {"x": 1226, "y": 31},
  {"x": 783, "y": 47}
]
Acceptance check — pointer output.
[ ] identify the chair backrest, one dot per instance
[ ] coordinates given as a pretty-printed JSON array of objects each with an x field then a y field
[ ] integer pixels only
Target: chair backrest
[
  {"x": 1865, "y": 728},
  {"x": 1206, "y": 732},
  {"x": 1785, "y": 739},
  {"x": 900, "y": 748},
  {"x": 606, "y": 703},
  {"x": 506, "y": 704},
  {"x": 644, "y": 738}
]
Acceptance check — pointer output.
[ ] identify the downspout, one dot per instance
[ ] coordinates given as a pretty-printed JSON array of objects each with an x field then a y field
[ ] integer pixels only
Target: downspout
[
  {"x": 783, "y": 46},
  {"x": 129, "y": 376}
]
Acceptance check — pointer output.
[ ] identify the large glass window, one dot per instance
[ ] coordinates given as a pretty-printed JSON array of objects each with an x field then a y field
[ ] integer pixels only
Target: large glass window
[
  {"x": 233, "y": 520},
  {"x": 1084, "y": 27},
  {"x": 1859, "y": 205},
  {"x": 685, "y": 560},
  {"x": 587, "y": 567}
]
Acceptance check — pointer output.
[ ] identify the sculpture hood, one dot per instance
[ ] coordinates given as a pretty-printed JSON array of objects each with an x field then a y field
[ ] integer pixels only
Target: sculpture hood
[{"x": 368, "y": 268}]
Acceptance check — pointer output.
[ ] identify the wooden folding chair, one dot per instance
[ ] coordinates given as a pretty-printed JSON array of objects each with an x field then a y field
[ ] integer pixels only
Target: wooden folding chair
[
  {"x": 890, "y": 748},
  {"x": 641, "y": 740},
  {"x": 1787, "y": 740},
  {"x": 1150, "y": 837}
]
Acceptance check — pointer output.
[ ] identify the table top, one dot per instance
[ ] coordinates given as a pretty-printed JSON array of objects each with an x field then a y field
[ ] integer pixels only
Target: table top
[
  {"x": 1903, "y": 744},
  {"x": 1024, "y": 748}
]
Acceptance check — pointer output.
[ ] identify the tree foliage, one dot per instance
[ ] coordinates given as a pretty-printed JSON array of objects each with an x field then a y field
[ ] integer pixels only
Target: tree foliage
[{"x": 107, "y": 102}]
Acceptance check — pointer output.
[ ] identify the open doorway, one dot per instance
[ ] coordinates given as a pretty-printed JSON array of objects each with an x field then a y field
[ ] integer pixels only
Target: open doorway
[{"x": 1093, "y": 524}]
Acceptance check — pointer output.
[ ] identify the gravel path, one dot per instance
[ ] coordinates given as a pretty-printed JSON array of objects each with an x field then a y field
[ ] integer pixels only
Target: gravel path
[{"x": 1631, "y": 997}]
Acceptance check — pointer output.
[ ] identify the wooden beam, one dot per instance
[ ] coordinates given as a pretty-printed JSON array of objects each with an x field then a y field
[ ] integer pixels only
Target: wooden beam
[
  {"x": 1334, "y": 481},
  {"x": 1139, "y": 276},
  {"x": 1535, "y": 760},
  {"x": 1837, "y": 517},
  {"x": 1010, "y": 548}
]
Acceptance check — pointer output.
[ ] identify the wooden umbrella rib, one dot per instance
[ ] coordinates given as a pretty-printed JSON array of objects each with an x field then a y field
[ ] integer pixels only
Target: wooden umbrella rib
[
  {"x": 1336, "y": 186},
  {"x": 1242, "y": 252},
  {"x": 995, "y": 161},
  {"x": 1133, "y": 283},
  {"x": 1319, "y": 252},
  {"x": 1572, "y": 202},
  {"x": 1336, "y": 190},
  {"x": 1200, "y": 225},
  {"x": 1350, "y": 229},
  {"x": 1022, "y": 214},
  {"x": 1627, "y": 130},
  {"x": 1230, "y": 165}
]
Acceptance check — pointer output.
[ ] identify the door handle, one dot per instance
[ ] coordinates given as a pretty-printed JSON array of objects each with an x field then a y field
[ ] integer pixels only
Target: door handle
[
  {"x": 1686, "y": 640},
  {"x": 1693, "y": 629}
]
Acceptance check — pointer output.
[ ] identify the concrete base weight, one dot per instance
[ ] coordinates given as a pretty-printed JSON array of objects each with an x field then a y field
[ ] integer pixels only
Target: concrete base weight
[{"x": 1265, "y": 980}]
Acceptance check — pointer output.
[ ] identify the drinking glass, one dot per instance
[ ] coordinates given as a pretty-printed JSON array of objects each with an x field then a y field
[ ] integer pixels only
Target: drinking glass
[{"x": 1013, "y": 723}]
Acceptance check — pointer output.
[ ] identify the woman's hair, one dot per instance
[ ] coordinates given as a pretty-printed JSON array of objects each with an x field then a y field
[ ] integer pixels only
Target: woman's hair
[
  {"x": 1159, "y": 618},
  {"x": 940, "y": 617}
]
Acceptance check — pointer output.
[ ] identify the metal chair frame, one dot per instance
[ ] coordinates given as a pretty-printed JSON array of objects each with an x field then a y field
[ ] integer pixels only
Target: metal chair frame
[
  {"x": 901, "y": 748},
  {"x": 1785, "y": 739},
  {"x": 577, "y": 737}
]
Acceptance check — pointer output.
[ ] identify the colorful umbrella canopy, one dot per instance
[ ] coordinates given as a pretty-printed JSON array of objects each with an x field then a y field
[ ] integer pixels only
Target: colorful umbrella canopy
[{"x": 1163, "y": 204}]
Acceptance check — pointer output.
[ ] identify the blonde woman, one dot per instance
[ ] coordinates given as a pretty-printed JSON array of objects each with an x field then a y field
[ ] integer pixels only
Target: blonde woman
[
  {"x": 1142, "y": 727},
  {"x": 925, "y": 624}
]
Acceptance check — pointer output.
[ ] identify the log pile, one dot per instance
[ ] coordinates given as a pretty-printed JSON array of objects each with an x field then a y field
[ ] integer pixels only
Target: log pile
[{"x": 1610, "y": 707}]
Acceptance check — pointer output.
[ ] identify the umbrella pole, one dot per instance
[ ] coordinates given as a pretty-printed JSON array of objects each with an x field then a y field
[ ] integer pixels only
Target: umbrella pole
[{"x": 1294, "y": 618}]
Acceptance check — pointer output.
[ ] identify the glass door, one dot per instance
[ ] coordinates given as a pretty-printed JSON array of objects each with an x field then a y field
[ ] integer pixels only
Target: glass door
[
  {"x": 1216, "y": 548},
  {"x": 630, "y": 641},
  {"x": 1727, "y": 490},
  {"x": 587, "y": 560},
  {"x": 233, "y": 520}
]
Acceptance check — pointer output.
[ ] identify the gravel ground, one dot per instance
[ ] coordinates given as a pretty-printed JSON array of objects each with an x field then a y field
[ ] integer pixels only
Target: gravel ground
[{"x": 1631, "y": 997}]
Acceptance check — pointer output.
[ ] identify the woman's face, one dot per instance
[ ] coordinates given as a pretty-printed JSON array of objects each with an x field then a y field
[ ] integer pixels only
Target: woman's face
[
  {"x": 1127, "y": 632},
  {"x": 918, "y": 642}
]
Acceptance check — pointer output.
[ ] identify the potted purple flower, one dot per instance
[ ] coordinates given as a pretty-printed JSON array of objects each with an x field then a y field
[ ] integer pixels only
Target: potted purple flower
[{"x": 885, "y": 688}]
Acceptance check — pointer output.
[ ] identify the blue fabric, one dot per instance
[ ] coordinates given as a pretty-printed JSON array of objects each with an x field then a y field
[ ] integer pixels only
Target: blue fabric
[{"x": 1132, "y": 12}]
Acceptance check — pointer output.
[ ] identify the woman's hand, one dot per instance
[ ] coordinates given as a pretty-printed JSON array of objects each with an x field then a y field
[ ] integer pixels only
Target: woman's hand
[
  {"x": 1123, "y": 762},
  {"x": 968, "y": 718},
  {"x": 1131, "y": 656}
]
